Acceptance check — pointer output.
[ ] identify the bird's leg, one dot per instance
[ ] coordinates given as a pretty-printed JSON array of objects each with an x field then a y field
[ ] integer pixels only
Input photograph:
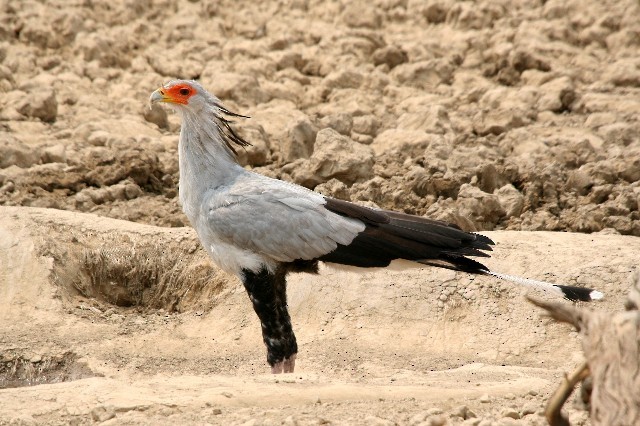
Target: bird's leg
[{"x": 268, "y": 294}]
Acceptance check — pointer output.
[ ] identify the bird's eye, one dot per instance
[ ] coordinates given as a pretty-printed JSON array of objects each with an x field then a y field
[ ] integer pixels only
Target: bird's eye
[{"x": 184, "y": 91}]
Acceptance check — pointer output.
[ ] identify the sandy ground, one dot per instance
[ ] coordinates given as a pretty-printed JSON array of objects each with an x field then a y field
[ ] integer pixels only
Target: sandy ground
[
  {"x": 505, "y": 117},
  {"x": 376, "y": 348}
]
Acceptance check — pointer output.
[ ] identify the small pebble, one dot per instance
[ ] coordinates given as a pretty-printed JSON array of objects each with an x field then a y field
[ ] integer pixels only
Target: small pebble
[
  {"x": 529, "y": 408},
  {"x": 510, "y": 412}
]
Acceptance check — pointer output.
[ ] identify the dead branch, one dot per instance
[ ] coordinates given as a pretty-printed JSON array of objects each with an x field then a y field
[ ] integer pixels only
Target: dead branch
[
  {"x": 561, "y": 312},
  {"x": 554, "y": 405},
  {"x": 611, "y": 343}
]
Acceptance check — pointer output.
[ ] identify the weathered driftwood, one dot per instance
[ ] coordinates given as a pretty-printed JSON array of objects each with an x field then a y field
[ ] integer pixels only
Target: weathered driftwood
[{"x": 611, "y": 343}]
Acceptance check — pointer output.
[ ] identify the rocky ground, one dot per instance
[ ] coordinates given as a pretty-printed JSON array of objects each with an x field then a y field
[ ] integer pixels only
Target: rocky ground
[
  {"x": 100, "y": 323},
  {"x": 495, "y": 115}
]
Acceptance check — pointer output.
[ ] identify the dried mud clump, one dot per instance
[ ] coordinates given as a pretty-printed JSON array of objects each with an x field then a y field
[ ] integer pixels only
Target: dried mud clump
[{"x": 490, "y": 115}]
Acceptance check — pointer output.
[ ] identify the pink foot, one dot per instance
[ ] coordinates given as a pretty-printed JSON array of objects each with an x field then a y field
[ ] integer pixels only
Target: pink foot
[{"x": 285, "y": 366}]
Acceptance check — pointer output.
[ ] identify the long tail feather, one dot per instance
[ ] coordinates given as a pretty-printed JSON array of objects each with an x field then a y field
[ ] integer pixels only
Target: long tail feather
[{"x": 572, "y": 293}]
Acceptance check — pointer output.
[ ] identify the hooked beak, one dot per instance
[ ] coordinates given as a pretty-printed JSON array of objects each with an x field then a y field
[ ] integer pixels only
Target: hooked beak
[{"x": 159, "y": 96}]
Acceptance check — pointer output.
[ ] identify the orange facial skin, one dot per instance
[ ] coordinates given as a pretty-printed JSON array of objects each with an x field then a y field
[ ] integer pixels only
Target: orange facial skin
[{"x": 178, "y": 94}]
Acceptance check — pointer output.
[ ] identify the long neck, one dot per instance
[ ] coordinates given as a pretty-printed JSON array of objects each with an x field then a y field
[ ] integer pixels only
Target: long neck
[{"x": 206, "y": 163}]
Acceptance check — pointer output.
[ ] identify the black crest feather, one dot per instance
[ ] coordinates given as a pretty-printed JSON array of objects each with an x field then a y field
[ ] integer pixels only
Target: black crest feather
[{"x": 229, "y": 136}]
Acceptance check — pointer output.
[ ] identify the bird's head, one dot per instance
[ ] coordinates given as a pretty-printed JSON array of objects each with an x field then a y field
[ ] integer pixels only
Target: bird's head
[
  {"x": 183, "y": 94},
  {"x": 190, "y": 98}
]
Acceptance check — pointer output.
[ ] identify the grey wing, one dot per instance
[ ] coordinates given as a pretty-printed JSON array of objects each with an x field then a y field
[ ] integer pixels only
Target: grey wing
[{"x": 280, "y": 222}]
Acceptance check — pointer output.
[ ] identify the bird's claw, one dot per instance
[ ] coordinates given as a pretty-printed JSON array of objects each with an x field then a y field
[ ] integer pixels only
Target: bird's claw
[{"x": 285, "y": 366}]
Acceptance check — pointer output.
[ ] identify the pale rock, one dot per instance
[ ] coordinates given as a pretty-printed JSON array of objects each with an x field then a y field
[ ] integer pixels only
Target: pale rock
[
  {"x": 100, "y": 195},
  {"x": 599, "y": 119},
  {"x": 258, "y": 153},
  {"x": 391, "y": 55},
  {"x": 624, "y": 72},
  {"x": 362, "y": 14},
  {"x": 132, "y": 190},
  {"x": 274, "y": 118},
  {"x": 366, "y": 125},
  {"x": 98, "y": 138},
  {"x": 290, "y": 90},
  {"x": 488, "y": 178},
  {"x": 579, "y": 417},
  {"x": 117, "y": 192},
  {"x": 620, "y": 134},
  {"x": 463, "y": 411},
  {"x": 156, "y": 115},
  {"x": 497, "y": 121},
  {"x": 529, "y": 408},
  {"x": 102, "y": 414},
  {"x": 522, "y": 60},
  {"x": 400, "y": 139},
  {"x": 535, "y": 78},
  {"x": 447, "y": 210},
  {"x": 340, "y": 122},
  {"x": 479, "y": 206},
  {"x": 596, "y": 33},
  {"x": 579, "y": 181},
  {"x": 494, "y": 98},
  {"x": 433, "y": 119},
  {"x": 343, "y": 79},
  {"x": 334, "y": 188},
  {"x": 83, "y": 201},
  {"x": 181, "y": 64},
  {"x": 335, "y": 156},
  {"x": 8, "y": 186},
  {"x": 630, "y": 171},
  {"x": 622, "y": 224},
  {"x": 288, "y": 421},
  {"x": 40, "y": 103},
  {"x": 42, "y": 80},
  {"x": 103, "y": 49},
  {"x": 54, "y": 154},
  {"x": 363, "y": 139},
  {"x": 301, "y": 135},
  {"x": 15, "y": 153},
  {"x": 418, "y": 418},
  {"x": 257, "y": 67},
  {"x": 288, "y": 59},
  {"x": 463, "y": 15},
  {"x": 7, "y": 83},
  {"x": 435, "y": 420},
  {"x": 241, "y": 88},
  {"x": 511, "y": 200},
  {"x": 52, "y": 31},
  {"x": 424, "y": 74},
  {"x": 542, "y": 220},
  {"x": 510, "y": 412},
  {"x": 602, "y": 172},
  {"x": 557, "y": 95},
  {"x": 624, "y": 40},
  {"x": 294, "y": 75},
  {"x": 436, "y": 11}
]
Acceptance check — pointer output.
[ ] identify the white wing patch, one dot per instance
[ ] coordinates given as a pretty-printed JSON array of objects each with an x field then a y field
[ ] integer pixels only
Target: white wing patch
[{"x": 258, "y": 217}]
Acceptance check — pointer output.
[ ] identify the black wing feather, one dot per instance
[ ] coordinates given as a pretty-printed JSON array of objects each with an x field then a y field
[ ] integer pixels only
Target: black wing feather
[{"x": 391, "y": 235}]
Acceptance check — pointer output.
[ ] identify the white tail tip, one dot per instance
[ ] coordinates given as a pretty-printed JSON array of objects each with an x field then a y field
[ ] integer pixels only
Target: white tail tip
[{"x": 569, "y": 292}]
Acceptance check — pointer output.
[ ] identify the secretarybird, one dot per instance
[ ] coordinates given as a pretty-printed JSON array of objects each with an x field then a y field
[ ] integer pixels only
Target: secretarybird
[{"x": 260, "y": 229}]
